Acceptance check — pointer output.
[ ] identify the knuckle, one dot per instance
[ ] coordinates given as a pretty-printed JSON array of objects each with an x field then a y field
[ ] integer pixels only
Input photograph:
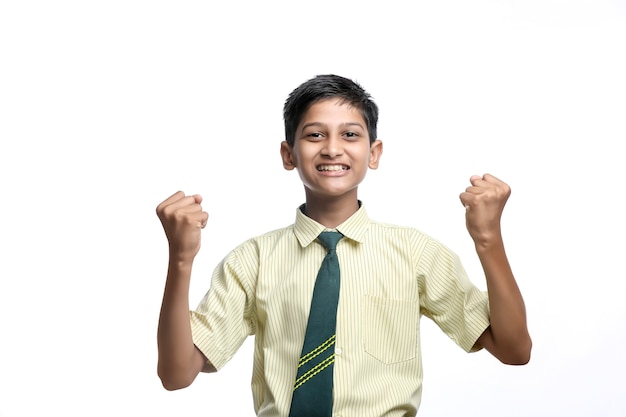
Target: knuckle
[{"x": 168, "y": 211}]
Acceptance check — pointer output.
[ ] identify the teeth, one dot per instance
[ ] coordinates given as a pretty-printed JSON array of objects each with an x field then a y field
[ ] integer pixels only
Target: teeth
[{"x": 331, "y": 168}]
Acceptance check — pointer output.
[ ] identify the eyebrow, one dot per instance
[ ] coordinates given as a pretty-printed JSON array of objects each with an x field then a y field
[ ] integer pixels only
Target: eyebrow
[{"x": 315, "y": 124}]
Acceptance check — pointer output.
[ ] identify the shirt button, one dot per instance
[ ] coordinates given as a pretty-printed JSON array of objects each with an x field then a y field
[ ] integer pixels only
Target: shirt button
[{"x": 338, "y": 351}]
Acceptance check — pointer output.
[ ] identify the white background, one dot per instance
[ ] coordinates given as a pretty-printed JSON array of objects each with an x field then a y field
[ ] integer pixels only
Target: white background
[{"x": 107, "y": 108}]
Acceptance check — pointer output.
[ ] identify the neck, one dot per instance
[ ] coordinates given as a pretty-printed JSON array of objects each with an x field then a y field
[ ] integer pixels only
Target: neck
[{"x": 331, "y": 212}]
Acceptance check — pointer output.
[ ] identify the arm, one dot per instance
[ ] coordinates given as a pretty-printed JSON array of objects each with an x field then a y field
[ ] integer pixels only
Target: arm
[
  {"x": 179, "y": 361},
  {"x": 507, "y": 337}
]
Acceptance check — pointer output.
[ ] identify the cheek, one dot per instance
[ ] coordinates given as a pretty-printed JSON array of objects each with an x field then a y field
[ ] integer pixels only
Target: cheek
[
  {"x": 304, "y": 154},
  {"x": 365, "y": 156}
]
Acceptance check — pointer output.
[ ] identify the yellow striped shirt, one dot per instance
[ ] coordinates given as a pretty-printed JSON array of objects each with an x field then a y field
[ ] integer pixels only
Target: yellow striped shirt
[{"x": 390, "y": 276}]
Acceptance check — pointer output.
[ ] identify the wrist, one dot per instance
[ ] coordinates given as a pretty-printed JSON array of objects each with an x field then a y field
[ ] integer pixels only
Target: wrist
[
  {"x": 180, "y": 260},
  {"x": 486, "y": 244}
]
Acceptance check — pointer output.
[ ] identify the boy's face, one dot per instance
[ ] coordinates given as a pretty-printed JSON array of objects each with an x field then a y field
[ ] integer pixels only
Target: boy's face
[{"x": 332, "y": 150}]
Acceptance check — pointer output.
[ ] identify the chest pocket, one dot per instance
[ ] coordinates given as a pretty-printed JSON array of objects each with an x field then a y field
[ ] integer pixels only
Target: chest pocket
[{"x": 390, "y": 328}]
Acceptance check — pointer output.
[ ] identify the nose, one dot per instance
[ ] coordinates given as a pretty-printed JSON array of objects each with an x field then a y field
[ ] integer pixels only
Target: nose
[{"x": 332, "y": 147}]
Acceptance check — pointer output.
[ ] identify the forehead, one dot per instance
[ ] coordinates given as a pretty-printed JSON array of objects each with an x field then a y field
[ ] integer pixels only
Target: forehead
[{"x": 332, "y": 111}]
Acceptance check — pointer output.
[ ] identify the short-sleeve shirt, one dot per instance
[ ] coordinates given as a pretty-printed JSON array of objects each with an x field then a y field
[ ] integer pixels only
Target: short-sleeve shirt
[{"x": 390, "y": 276}]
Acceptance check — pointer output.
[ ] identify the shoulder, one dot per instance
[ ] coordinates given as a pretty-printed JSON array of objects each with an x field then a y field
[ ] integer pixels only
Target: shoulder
[
  {"x": 267, "y": 239},
  {"x": 395, "y": 230},
  {"x": 246, "y": 258},
  {"x": 274, "y": 235},
  {"x": 419, "y": 241}
]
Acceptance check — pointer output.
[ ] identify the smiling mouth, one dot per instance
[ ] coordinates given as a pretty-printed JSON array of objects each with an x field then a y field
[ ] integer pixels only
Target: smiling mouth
[{"x": 333, "y": 167}]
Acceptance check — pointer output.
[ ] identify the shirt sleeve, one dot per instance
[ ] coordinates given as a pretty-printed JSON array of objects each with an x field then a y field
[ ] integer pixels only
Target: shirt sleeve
[
  {"x": 448, "y": 297},
  {"x": 225, "y": 315}
]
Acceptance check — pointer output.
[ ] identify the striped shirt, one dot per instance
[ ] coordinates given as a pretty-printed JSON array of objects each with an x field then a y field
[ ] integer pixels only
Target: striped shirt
[{"x": 390, "y": 277}]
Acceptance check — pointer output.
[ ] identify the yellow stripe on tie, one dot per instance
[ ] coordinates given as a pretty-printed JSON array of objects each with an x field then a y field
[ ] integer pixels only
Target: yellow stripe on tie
[
  {"x": 314, "y": 371},
  {"x": 312, "y": 354}
]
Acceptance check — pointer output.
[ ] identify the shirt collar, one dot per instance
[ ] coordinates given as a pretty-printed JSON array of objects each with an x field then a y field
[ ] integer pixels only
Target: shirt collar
[{"x": 354, "y": 228}]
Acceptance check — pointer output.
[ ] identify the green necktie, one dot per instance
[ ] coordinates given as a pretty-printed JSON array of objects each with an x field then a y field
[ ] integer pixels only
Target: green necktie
[{"x": 313, "y": 389}]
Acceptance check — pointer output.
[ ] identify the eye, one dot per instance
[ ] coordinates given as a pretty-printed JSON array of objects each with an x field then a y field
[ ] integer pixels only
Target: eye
[
  {"x": 314, "y": 135},
  {"x": 351, "y": 135}
]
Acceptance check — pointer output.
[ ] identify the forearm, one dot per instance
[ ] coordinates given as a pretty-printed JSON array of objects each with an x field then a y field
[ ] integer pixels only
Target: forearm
[
  {"x": 507, "y": 338},
  {"x": 178, "y": 360}
]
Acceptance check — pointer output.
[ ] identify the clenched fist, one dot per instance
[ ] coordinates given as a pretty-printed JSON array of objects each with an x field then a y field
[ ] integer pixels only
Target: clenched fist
[
  {"x": 183, "y": 219},
  {"x": 484, "y": 202}
]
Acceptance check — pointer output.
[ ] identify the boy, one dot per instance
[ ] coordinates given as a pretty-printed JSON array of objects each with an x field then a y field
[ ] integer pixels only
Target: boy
[{"x": 389, "y": 276}]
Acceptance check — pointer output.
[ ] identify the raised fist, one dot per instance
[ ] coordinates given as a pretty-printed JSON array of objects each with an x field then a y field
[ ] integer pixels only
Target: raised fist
[
  {"x": 182, "y": 219},
  {"x": 484, "y": 202}
]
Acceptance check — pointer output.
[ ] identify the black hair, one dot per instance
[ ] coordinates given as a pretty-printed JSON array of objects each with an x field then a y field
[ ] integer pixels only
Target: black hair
[{"x": 325, "y": 87}]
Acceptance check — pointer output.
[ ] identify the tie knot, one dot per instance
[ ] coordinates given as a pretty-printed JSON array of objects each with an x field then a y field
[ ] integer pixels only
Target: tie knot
[{"x": 330, "y": 239}]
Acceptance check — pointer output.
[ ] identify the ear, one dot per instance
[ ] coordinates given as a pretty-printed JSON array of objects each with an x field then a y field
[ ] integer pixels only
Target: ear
[
  {"x": 286, "y": 153},
  {"x": 376, "y": 150}
]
